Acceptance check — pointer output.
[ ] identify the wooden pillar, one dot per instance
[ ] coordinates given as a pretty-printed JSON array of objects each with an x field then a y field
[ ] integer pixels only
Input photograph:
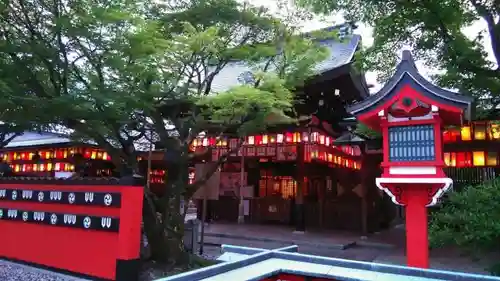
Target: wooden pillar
[
  {"x": 321, "y": 200},
  {"x": 365, "y": 182},
  {"x": 299, "y": 196}
]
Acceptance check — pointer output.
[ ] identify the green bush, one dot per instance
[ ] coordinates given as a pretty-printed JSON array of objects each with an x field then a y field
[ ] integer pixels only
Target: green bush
[{"x": 469, "y": 219}]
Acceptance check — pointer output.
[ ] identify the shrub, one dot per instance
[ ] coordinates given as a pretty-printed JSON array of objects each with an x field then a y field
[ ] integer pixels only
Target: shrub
[{"x": 469, "y": 219}]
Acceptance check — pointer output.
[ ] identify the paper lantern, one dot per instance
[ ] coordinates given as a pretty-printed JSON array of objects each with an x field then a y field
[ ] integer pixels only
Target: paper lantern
[
  {"x": 480, "y": 131},
  {"x": 492, "y": 159},
  {"x": 478, "y": 158},
  {"x": 465, "y": 133}
]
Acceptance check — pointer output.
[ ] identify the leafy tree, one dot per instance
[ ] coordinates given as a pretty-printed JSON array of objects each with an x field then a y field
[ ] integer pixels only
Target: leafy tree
[
  {"x": 434, "y": 29},
  {"x": 118, "y": 72},
  {"x": 14, "y": 120},
  {"x": 470, "y": 219}
]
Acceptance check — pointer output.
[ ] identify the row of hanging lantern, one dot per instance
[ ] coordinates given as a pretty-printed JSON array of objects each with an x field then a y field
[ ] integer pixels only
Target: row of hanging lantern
[
  {"x": 471, "y": 159},
  {"x": 42, "y": 167},
  {"x": 265, "y": 139},
  {"x": 475, "y": 131},
  {"x": 57, "y": 154},
  {"x": 157, "y": 176},
  {"x": 315, "y": 140}
]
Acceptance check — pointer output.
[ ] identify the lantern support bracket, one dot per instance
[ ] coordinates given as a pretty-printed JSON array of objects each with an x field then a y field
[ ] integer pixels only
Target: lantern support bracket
[{"x": 446, "y": 182}]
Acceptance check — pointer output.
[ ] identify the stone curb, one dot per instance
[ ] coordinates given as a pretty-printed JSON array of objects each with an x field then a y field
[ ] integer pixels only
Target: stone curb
[
  {"x": 377, "y": 245},
  {"x": 292, "y": 242}
]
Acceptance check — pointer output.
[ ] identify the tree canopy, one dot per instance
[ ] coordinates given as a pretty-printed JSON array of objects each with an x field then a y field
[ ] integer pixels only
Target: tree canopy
[
  {"x": 434, "y": 29},
  {"x": 118, "y": 72}
]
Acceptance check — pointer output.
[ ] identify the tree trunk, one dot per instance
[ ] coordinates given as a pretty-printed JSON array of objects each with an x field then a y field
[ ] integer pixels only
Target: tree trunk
[
  {"x": 154, "y": 232},
  {"x": 166, "y": 234}
]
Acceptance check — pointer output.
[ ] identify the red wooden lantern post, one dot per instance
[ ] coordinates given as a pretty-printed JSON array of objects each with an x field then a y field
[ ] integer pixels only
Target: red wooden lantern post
[{"x": 411, "y": 112}]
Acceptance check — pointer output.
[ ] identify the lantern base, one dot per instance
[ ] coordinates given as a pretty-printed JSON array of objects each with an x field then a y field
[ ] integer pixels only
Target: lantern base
[{"x": 395, "y": 188}]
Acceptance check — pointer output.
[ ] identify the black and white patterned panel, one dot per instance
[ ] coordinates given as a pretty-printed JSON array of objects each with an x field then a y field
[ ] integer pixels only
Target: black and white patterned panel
[
  {"x": 106, "y": 199},
  {"x": 62, "y": 220}
]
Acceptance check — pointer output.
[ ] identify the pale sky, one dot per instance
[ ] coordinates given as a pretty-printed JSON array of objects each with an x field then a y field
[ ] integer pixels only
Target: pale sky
[{"x": 367, "y": 38}]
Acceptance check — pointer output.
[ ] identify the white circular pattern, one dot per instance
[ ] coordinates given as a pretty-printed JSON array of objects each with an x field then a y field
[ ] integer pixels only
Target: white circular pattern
[
  {"x": 25, "y": 216},
  {"x": 108, "y": 199},
  {"x": 53, "y": 219},
  {"x": 1, "y": 214},
  {"x": 87, "y": 222},
  {"x": 14, "y": 194},
  {"x": 40, "y": 196},
  {"x": 71, "y": 198}
]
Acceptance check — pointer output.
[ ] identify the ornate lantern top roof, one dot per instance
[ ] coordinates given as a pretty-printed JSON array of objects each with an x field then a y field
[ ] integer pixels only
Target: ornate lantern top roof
[{"x": 407, "y": 92}]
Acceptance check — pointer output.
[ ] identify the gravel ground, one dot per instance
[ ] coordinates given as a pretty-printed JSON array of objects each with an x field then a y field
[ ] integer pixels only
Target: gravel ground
[
  {"x": 18, "y": 272},
  {"x": 10, "y": 271}
]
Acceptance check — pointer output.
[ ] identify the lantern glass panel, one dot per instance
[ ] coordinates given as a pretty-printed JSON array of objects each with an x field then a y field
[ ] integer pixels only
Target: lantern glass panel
[{"x": 411, "y": 143}]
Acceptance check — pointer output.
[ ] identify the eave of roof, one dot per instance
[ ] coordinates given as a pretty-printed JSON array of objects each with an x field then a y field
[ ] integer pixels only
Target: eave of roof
[
  {"x": 349, "y": 138},
  {"x": 407, "y": 68},
  {"x": 37, "y": 139}
]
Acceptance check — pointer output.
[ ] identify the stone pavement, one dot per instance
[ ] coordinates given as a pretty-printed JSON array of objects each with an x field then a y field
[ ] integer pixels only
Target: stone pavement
[
  {"x": 385, "y": 247},
  {"x": 281, "y": 234}
]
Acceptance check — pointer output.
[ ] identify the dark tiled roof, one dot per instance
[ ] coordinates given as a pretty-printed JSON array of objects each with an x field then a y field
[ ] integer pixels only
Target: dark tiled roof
[
  {"x": 407, "y": 72},
  {"x": 341, "y": 53}
]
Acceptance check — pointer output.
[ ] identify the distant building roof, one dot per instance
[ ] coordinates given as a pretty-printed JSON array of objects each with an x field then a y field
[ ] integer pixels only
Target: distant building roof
[
  {"x": 341, "y": 53},
  {"x": 36, "y": 139}
]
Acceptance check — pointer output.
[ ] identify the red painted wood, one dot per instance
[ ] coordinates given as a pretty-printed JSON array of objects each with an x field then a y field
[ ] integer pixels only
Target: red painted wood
[
  {"x": 371, "y": 118},
  {"x": 290, "y": 277},
  {"x": 417, "y": 243},
  {"x": 82, "y": 251}
]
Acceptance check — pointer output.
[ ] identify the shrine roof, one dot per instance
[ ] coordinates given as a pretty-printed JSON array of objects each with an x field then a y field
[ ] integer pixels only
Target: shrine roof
[
  {"x": 341, "y": 53},
  {"x": 349, "y": 138},
  {"x": 252, "y": 264},
  {"x": 408, "y": 74},
  {"x": 36, "y": 139}
]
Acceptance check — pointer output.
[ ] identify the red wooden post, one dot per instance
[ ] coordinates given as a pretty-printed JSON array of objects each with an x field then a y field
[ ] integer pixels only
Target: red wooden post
[{"x": 417, "y": 244}]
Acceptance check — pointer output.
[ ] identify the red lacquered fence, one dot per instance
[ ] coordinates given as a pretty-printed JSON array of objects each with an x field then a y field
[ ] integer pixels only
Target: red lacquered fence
[{"x": 86, "y": 228}]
